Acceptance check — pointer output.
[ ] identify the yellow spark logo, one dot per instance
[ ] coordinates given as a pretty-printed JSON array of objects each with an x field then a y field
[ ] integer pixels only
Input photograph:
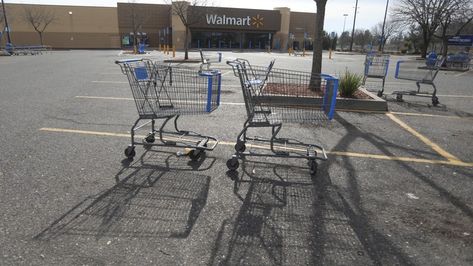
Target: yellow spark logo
[{"x": 257, "y": 21}]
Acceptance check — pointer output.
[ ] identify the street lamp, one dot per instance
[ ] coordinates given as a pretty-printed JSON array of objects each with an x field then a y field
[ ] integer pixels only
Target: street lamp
[
  {"x": 6, "y": 23},
  {"x": 353, "y": 30},
  {"x": 344, "y": 22},
  {"x": 71, "y": 25},
  {"x": 381, "y": 43}
]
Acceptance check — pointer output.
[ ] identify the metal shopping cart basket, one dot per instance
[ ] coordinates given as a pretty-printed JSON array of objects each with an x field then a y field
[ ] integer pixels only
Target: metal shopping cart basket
[
  {"x": 165, "y": 92},
  {"x": 376, "y": 66},
  {"x": 274, "y": 96},
  {"x": 208, "y": 58},
  {"x": 421, "y": 73}
]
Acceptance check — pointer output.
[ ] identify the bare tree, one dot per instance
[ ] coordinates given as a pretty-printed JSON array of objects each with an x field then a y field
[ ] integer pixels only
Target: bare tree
[
  {"x": 137, "y": 21},
  {"x": 189, "y": 15},
  {"x": 362, "y": 38},
  {"x": 458, "y": 14},
  {"x": 318, "y": 43},
  {"x": 344, "y": 39},
  {"x": 40, "y": 19},
  {"x": 390, "y": 29},
  {"x": 427, "y": 14}
]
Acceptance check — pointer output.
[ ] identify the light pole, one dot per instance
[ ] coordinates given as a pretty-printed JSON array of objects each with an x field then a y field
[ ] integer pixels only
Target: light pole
[
  {"x": 6, "y": 23},
  {"x": 344, "y": 22},
  {"x": 71, "y": 25},
  {"x": 381, "y": 44},
  {"x": 353, "y": 30}
]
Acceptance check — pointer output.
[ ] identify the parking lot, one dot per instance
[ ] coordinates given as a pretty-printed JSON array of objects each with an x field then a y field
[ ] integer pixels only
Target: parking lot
[{"x": 396, "y": 190}]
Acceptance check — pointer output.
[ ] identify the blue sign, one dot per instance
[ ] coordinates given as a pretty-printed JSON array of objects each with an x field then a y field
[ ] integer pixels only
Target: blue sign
[{"x": 461, "y": 40}]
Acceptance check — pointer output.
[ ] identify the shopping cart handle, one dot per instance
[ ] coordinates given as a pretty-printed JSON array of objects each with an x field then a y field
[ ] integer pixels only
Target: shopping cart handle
[
  {"x": 128, "y": 60},
  {"x": 325, "y": 154},
  {"x": 233, "y": 62}
]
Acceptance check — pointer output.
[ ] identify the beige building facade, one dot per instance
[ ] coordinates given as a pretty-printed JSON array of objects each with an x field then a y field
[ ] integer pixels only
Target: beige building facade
[{"x": 83, "y": 27}]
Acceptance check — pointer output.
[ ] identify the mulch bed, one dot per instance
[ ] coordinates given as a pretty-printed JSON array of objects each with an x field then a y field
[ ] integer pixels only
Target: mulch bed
[{"x": 304, "y": 91}]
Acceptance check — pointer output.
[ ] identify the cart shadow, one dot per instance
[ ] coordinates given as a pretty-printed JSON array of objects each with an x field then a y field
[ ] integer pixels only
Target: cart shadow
[
  {"x": 146, "y": 202},
  {"x": 425, "y": 107},
  {"x": 354, "y": 132},
  {"x": 288, "y": 219}
]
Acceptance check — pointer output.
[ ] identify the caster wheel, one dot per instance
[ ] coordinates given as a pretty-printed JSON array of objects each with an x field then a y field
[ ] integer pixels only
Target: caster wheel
[
  {"x": 130, "y": 152},
  {"x": 380, "y": 94},
  {"x": 313, "y": 167},
  {"x": 195, "y": 154},
  {"x": 233, "y": 164},
  {"x": 240, "y": 146},
  {"x": 435, "y": 101},
  {"x": 399, "y": 98},
  {"x": 150, "y": 138}
]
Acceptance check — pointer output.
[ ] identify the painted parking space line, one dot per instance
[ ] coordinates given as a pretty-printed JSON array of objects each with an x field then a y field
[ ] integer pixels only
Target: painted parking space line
[
  {"x": 424, "y": 139},
  {"x": 342, "y": 110},
  {"x": 230, "y": 143},
  {"x": 109, "y": 82},
  {"x": 226, "y": 73},
  {"x": 463, "y": 73},
  {"x": 131, "y": 99},
  {"x": 454, "y": 96}
]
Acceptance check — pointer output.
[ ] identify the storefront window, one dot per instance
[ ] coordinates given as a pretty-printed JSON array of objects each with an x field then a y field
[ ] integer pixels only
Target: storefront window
[
  {"x": 127, "y": 39},
  {"x": 230, "y": 40}
]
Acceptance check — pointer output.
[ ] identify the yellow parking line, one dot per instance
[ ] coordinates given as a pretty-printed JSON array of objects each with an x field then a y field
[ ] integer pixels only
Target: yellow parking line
[
  {"x": 430, "y": 115},
  {"x": 229, "y": 143},
  {"x": 434, "y": 146}
]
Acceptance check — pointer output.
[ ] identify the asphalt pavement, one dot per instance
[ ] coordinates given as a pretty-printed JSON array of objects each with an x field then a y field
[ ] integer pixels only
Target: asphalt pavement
[{"x": 396, "y": 189}]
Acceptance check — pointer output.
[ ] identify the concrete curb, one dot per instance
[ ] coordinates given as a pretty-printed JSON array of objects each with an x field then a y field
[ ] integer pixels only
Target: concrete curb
[{"x": 374, "y": 104}]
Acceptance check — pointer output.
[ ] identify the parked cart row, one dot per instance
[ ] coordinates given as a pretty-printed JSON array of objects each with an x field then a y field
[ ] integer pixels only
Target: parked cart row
[
  {"x": 421, "y": 72},
  {"x": 27, "y": 49},
  {"x": 163, "y": 92}
]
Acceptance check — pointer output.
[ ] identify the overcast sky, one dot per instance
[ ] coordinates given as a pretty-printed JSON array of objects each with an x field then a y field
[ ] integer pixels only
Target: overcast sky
[{"x": 370, "y": 12}]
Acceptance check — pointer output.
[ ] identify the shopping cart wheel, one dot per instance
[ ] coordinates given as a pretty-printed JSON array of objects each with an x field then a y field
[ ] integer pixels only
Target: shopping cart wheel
[
  {"x": 233, "y": 164},
  {"x": 435, "y": 101},
  {"x": 240, "y": 146},
  {"x": 195, "y": 154},
  {"x": 380, "y": 94},
  {"x": 399, "y": 97},
  {"x": 150, "y": 138},
  {"x": 313, "y": 167},
  {"x": 130, "y": 152}
]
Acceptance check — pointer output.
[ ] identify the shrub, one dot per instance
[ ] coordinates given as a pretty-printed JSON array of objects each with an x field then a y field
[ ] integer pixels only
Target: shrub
[{"x": 349, "y": 84}]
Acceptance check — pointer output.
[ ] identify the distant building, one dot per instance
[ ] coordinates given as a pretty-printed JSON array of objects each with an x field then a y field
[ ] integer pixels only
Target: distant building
[{"x": 214, "y": 28}]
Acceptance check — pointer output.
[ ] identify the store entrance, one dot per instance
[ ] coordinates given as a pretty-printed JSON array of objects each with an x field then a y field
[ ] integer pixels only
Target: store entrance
[{"x": 231, "y": 40}]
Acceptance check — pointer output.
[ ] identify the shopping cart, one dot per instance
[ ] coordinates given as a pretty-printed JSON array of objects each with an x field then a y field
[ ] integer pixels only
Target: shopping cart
[
  {"x": 273, "y": 96},
  {"x": 421, "y": 73},
  {"x": 208, "y": 58},
  {"x": 165, "y": 92},
  {"x": 376, "y": 66}
]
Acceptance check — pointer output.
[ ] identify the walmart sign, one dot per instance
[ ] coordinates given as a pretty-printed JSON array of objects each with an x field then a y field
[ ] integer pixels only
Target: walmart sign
[
  {"x": 256, "y": 21},
  {"x": 224, "y": 20}
]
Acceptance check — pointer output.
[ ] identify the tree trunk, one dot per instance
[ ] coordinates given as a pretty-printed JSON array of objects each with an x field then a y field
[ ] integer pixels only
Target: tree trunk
[
  {"x": 186, "y": 44},
  {"x": 40, "y": 38},
  {"x": 318, "y": 43}
]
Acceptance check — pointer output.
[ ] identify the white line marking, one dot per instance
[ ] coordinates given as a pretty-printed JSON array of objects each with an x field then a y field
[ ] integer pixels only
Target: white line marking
[
  {"x": 463, "y": 73},
  {"x": 226, "y": 73},
  {"x": 131, "y": 99},
  {"x": 110, "y": 82}
]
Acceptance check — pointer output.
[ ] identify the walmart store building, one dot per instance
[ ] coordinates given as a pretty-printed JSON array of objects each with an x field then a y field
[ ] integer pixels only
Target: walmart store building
[{"x": 212, "y": 27}]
